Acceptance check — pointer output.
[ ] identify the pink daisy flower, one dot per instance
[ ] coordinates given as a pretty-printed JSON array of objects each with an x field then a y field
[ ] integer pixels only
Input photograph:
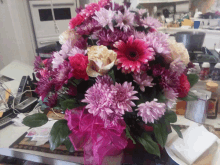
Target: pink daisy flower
[
  {"x": 151, "y": 22},
  {"x": 123, "y": 96},
  {"x": 125, "y": 21},
  {"x": 143, "y": 80},
  {"x": 132, "y": 54},
  {"x": 151, "y": 111}
]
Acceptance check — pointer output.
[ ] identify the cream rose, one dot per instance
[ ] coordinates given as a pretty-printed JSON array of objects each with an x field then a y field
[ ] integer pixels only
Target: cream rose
[
  {"x": 101, "y": 60},
  {"x": 68, "y": 35},
  {"x": 178, "y": 50}
]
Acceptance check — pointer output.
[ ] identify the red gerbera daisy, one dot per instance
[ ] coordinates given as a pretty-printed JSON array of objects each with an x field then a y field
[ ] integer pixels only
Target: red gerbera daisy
[{"x": 132, "y": 54}]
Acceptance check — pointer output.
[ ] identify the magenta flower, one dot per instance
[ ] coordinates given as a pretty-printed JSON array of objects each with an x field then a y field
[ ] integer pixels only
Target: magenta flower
[
  {"x": 107, "y": 37},
  {"x": 151, "y": 22},
  {"x": 88, "y": 27},
  {"x": 44, "y": 86},
  {"x": 177, "y": 66},
  {"x": 62, "y": 74},
  {"x": 151, "y": 111},
  {"x": 52, "y": 100},
  {"x": 125, "y": 21},
  {"x": 104, "y": 80},
  {"x": 169, "y": 80},
  {"x": 132, "y": 54},
  {"x": 158, "y": 41},
  {"x": 143, "y": 80},
  {"x": 105, "y": 17},
  {"x": 158, "y": 70},
  {"x": 123, "y": 96},
  {"x": 171, "y": 95}
]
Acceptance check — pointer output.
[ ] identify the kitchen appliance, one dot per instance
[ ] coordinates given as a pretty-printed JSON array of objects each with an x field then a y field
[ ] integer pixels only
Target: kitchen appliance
[
  {"x": 193, "y": 41},
  {"x": 50, "y": 18}
]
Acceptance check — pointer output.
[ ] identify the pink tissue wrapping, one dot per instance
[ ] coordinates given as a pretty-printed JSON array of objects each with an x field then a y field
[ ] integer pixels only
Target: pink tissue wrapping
[{"x": 88, "y": 132}]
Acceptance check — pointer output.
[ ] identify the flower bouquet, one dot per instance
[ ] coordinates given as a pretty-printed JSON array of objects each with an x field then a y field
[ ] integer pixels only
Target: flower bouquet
[{"x": 115, "y": 78}]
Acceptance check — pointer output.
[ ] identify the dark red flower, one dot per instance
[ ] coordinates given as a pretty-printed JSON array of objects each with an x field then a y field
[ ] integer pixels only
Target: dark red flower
[
  {"x": 79, "y": 63},
  {"x": 148, "y": 128},
  {"x": 184, "y": 86}
]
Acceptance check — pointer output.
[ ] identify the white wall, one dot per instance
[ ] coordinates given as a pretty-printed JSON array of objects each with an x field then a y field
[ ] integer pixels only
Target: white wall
[{"x": 17, "y": 41}]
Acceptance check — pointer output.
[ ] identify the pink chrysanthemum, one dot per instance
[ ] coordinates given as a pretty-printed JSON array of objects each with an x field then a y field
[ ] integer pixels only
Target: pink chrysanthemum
[
  {"x": 143, "y": 80},
  {"x": 171, "y": 95},
  {"x": 123, "y": 96},
  {"x": 105, "y": 17},
  {"x": 125, "y": 21},
  {"x": 151, "y": 22},
  {"x": 158, "y": 41},
  {"x": 104, "y": 80},
  {"x": 99, "y": 98},
  {"x": 139, "y": 35},
  {"x": 57, "y": 60},
  {"x": 132, "y": 54},
  {"x": 177, "y": 66},
  {"x": 151, "y": 111},
  {"x": 89, "y": 10}
]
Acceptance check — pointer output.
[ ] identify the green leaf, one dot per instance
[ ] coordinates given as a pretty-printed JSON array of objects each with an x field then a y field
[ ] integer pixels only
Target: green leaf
[
  {"x": 75, "y": 82},
  {"x": 149, "y": 145},
  {"x": 69, "y": 145},
  {"x": 35, "y": 120},
  {"x": 170, "y": 117},
  {"x": 177, "y": 129},
  {"x": 193, "y": 79},
  {"x": 58, "y": 134},
  {"x": 190, "y": 97},
  {"x": 161, "y": 98},
  {"x": 129, "y": 135},
  {"x": 112, "y": 75},
  {"x": 69, "y": 104},
  {"x": 161, "y": 133}
]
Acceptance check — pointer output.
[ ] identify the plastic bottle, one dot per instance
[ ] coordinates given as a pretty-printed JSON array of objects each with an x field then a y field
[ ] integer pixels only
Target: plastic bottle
[
  {"x": 216, "y": 72},
  {"x": 204, "y": 74}
]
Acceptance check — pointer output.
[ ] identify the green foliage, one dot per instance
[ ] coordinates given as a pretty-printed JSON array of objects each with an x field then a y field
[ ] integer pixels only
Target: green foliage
[
  {"x": 35, "y": 120},
  {"x": 129, "y": 135},
  {"x": 69, "y": 145},
  {"x": 190, "y": 97},
  {"x": 112, "y": 75},
  {"x": 58, "y": 134},
  {"x": 170, "y": 117},
  {"x": 149, "y": 145},
  {"x": 177, "y": 129},
  {"x": 193, "y": 79},
  {"x": 75, "y": 82},
  {"x": 161, "y": 98},
  {"x": 70, "y": 104},
  {"x": 161, "y": 133}
]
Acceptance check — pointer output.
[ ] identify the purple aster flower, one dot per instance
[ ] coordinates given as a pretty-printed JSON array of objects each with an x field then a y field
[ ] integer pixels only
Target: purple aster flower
[
  {"x": 158, "y": 70},
  {"x": 57, "y": 60},
  {"x": 125, "y": 21},
  {"x": 151, "y": 22},
  {"x": 123, "y": 96},
  {"x": 143, "y": 80},
  {"x": 52, "y": 100},
  {"x": 81, "y": 43},
  {"x": 104, "y": 80},
  {"x": 88, "y": 27},
  {"x": 158, "y": 41},
  {"x": 169, "y": 80},
  {"x": 151, "y": 111},
  {"x": 171, "y": 95},
  {"x": 107, "y": 38},
  {"x": 38, "y": 64},
  {"x": 62, "y": 74},
  {"x": 105, "y": 17},
  {"x": 44, "y": 86},
  {"x": 99, "y": 98},
  {"x": 177, "y": 66}
]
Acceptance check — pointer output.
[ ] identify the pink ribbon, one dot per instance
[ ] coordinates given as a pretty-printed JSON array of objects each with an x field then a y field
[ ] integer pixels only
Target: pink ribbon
[{"x": 88, "y": 132}]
